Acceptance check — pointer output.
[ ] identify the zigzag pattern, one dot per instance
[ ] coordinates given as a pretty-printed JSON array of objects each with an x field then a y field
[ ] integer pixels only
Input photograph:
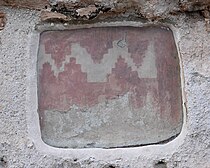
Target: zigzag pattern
[{"x": 97, "y": 72}]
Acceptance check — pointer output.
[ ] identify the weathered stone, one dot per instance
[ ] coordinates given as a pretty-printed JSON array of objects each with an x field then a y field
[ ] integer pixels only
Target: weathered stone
[
  {"x": 52, "y": 16},
  {"x": 109, "y": 87},
  {"x": 95, "y": 9},
  {"x": 32, "y": 4},
  {"x": 194, "y": 5},
  {"x": 86, "y": 11}
]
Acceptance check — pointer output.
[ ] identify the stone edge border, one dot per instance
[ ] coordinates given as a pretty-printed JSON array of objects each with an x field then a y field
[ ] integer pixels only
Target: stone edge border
[{"x": 34, "y": 133}]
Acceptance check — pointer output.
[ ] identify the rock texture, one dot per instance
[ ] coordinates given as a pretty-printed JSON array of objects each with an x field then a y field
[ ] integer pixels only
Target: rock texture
[
  {"x": 19, "y": 150},
  {"x": 101, "y": 9},
  {"x": 38, "y": 4}
]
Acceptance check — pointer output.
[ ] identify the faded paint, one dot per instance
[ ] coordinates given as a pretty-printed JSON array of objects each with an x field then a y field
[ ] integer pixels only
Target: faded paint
[{"x": 119, "y": 71}]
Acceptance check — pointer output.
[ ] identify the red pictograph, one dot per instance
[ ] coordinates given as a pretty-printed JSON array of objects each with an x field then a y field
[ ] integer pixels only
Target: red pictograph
[{"x": 70, "y": 86}]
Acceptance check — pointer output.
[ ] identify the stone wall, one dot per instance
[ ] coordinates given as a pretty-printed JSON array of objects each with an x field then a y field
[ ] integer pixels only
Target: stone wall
[
  {"x": 18, "y": 142},
  {"x": 68, "y": 10}
]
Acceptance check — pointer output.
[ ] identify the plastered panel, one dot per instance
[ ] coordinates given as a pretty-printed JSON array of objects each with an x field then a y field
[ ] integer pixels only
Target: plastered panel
[{"x": 109, "y": 87}]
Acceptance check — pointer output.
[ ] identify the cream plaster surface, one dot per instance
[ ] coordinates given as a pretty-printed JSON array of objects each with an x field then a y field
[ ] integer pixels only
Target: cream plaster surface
[{"x": 20, "y": 141}]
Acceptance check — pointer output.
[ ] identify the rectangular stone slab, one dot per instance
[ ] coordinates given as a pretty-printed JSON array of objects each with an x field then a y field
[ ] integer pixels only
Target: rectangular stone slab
[{"x": 109, "y": 87}]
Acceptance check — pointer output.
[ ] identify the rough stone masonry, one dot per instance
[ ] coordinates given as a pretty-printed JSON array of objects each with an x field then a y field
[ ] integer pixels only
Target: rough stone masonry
[{"x": 19, "y": 20}]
